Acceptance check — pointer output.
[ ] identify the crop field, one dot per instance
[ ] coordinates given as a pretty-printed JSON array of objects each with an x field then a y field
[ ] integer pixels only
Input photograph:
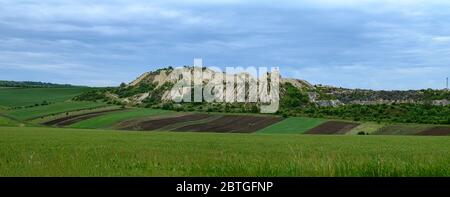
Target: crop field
[
  {"x": 413, "y": 129},
  {"x": 202, "y": 122},
  {"x": 72, "y": 119},
  {"x": 62, "y": 112},
  {"x": 436, "y": 130},
  {"x": 333, "y": 127},
  {"x": 15, "y": 97},
  {"x": 292, "y": 125},
  {"x": 153, "y": 124},
  {"x": 102, "y": 116},
  {"x": 366, "y": 128},
  {"x": 43, "y": 120},
  {"x": 78, "y": 152},
  {"x": 4, "y": 121},
  {"x": 110, "y": 119},
  {"x": 55, "y": 108},
  {"x": 232, "y": 124}
]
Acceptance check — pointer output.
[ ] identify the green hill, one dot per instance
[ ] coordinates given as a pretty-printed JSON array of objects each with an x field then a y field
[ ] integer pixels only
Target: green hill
[
  {"x": 17, "y": 97},
  {"x": 52, "y": 109},
  {"x": 32, "y": 84}
]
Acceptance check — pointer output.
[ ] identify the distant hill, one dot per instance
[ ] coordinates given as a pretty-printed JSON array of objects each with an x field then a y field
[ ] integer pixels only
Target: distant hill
[
  {"x": 153, "y": 88},
  {"x": 32, "y": 84},
  {"x": 371, "y": 97},
  {"x": 18, "y": 94},
  {"x": 297, "y": 98}
]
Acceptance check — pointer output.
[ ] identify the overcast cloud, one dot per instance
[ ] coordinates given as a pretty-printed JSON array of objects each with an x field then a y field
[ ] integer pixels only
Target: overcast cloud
[{"x": 378, "y": 44}]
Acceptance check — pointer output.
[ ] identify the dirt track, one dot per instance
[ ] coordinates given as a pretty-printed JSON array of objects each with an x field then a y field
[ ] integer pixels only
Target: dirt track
[
  {"x": 436, "y": 131},
  {"x": 150, "y": 125},
  {"x": 68, "y": 120},
  {"x": 233, "y": 124},
  {"x": 333, "y": 127}
]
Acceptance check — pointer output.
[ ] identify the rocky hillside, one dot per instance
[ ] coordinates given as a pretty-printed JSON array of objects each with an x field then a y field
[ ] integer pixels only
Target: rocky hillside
[
  {"x": 370, "y": 97},
  {"x": 153, "y": 88}
]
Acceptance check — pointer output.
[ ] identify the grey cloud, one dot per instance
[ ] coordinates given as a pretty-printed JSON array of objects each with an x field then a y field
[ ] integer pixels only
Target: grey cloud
[{"x": 117, "y": 40}]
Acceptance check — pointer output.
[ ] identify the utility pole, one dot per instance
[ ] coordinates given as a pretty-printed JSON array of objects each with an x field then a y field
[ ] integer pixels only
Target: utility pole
[{"x": 446, "y": 84}]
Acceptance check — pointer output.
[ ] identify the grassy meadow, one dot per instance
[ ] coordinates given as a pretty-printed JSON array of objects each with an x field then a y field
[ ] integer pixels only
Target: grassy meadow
[
  {"x": 77, "y": 152},
  {"x": 15, "y": 97}
]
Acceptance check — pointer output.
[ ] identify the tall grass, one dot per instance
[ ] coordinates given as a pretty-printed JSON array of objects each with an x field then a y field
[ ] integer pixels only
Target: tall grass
[{"x": 77, "y": 152}]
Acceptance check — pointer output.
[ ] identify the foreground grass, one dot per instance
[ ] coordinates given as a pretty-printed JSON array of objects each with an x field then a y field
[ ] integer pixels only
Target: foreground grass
[
  {"x": 13, "y": 97},
  {"x": 292, "y": 125},
  {"x": 77, "y": 152}
]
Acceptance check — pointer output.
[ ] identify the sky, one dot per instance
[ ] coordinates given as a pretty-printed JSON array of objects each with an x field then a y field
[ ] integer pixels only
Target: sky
[{"x": 370, "y": 44}]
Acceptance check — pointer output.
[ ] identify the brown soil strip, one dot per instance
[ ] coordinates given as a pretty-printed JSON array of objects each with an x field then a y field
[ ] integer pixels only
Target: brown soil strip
[
  {"x": 436, "y": 131},
  {"x": 333, "y": 127},
  {"x": 68, "y": 120},
  {"x": 401, "y": 129},
  {"x": 150, "y": 125},
  {"x": 175, "y": 126},
  {"x": 233, "y": 124}
]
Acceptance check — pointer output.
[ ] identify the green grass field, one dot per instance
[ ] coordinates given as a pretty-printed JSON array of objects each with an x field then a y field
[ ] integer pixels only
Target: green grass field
[
  {"x": 78, "y": 152},
  {"x": 108, "y": 120},
  {"x": 14, "y": 97},
  {"x": 292, "y": 125},
  {"x": 4, "y": 121},
  {"x": 55, "y": 108}
]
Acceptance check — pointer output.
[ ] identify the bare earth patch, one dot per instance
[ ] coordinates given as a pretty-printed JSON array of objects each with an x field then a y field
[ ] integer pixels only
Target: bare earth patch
[
  {"x": 68, "y": 120},
  {"x": 149, "y": 125},
  {"x": 437, "y": 131},
  {"x": 233, "y": 124},
  {"x": 333, "y": 127}
]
